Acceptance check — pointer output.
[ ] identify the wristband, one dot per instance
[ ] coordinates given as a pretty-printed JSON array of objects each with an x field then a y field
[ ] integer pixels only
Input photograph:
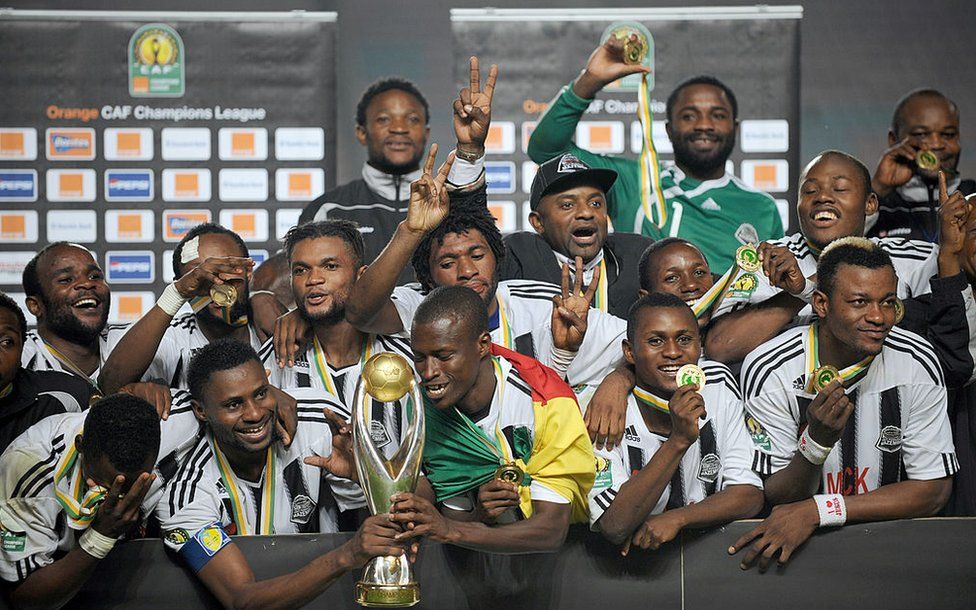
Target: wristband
[
  {"x": 806, "y": 295},
  {"x": 470, "y": 157},
  {"x": 814, "y": 452},
  {"x": 95, "y": 544},
  {"x": 832, "y": 509},
  {"x": 560, "y": 360},
  {"x": 254, "y": 293},
  {"x": 171, "y": 300}
]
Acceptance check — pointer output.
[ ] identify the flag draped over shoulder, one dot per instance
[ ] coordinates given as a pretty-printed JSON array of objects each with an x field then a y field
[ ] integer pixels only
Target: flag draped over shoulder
[{"x": 558, "y": 455}]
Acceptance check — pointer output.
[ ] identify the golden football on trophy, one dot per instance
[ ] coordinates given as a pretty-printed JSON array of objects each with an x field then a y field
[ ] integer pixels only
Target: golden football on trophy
[{"x": 387, "y": 376}]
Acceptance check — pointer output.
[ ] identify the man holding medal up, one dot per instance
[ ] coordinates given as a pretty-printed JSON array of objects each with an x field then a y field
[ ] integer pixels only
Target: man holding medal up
[
  {"x": 850, "y": 410},
  {"x": 213, "y": 268},
  {"x": 703, "y": 202}
]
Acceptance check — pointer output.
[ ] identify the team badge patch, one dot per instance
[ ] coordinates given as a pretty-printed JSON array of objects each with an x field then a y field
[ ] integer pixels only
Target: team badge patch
[
  {"x": 302, "y": 508},
  {"x": 378, "y": 434},
  {"x": 178, "y": 536},
  {"x": 211, "y": 539},
  {"x": 709, "y": 467},
  {"x": 744, "y": 286},
  {"x": 604, "y": 478},
  {"x": 569, "y": 164},
  {"x": 889, "y": 440},
  {"x": 760, "y": 438},
  {"x": 11, "y": 541}
]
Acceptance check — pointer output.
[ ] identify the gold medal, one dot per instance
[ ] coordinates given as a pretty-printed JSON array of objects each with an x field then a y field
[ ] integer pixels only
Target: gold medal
[
  {"x": 823, "y": 376},
  {"x": 635, "y": 51},
  {"x": 691, "y": 374},
  {"x": 927, "y": 160},
  {"x": 510, "y": 473},
  {"x": 223, "y": 294},
  {"x": 747, "y": 258},
  {"x": 95, "y": 397}
]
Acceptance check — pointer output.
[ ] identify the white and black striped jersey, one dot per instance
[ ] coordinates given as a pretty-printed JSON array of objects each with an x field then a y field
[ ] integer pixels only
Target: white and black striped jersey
[
  {"x": 915, "y": 263},
  {"x": 180, "y": 341},
  {"x": 387, "y": 421},
  {"x": 197, "y": 498},
  {"x": 33, "y": 525},
  {"x": 720, "y": 457},
  {"x": 899, "y": 428},
  {"x": 526, "y": 306},
  {"x": 38, "y": 357}
]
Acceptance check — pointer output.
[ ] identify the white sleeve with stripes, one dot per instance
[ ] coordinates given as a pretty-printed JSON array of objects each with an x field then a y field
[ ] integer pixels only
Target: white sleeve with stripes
[
  {"x": 776, "y": 431},
  {"x": 927, "y": 449},
  {"x": 601, "y": 351},
  {"x": 189, "y": 507},
  {"x": 28, "y": 529},
  {"x": 406, "y": 300},
  {"x": 734, "y": 444},
  {"x": 611, "y": 474}
]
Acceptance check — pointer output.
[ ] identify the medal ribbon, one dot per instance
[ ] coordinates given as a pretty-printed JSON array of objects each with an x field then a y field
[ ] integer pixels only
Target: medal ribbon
[
  {"x": 813, "y": 362},
  {"x": 507, "y": 338},
  {"x": 652, "y": 198},
  {"x": 601, "y": 300},
  {"x": 71, "y": 366},
  {"x": 322, "y": 366},
  {"x": 7, "y": 390},
  {"x": 650, "y": 400},
  {"x": 266, "y": 527},
  {"x": 80, "y": 503},
  {"x": 710, "y": 300},
  {"x": 198, "y": 303}
]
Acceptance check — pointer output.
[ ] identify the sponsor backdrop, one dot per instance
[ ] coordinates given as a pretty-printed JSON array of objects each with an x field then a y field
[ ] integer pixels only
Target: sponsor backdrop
[
  {"x": 122, "y": 131},
  {"x": 753, "y": 50}
]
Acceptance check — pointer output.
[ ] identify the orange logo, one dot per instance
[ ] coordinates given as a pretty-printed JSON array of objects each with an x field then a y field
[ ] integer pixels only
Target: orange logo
[
  {"x": 13, "y": 226},
  {"x": 299, "y": 185},
  {"x": 186, "y": 185},
  {"x": 601, "y": 136},
  {"x": 244, "y": 225},
  {"x": 496, "y": 138},
  {"x": 242, "y": 144},
  {"x": 71, "y": 185},
  {"x": 128, "y": 144},
  {"x": 764, "y": 176},
  {"x": 140, "y": 84},
  {"x": 130, "y": 226},
  {"x": 11, "y": 144},
  {"x": 130, "y": 308}
]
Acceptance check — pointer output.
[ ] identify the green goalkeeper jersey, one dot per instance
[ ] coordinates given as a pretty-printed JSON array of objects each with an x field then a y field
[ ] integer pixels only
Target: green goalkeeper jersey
[{"x": 716, "y": 215}]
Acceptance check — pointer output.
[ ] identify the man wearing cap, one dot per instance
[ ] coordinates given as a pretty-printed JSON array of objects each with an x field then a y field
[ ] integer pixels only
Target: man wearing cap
[{"x": 569, "y": 215}]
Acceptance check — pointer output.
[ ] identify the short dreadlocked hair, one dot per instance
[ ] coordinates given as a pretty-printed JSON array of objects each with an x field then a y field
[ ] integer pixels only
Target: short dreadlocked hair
[{"x": 459, "y": 220}]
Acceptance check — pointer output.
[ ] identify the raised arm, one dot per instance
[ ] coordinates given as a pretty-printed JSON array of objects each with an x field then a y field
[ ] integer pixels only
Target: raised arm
[{"x": 136, "y": 349}]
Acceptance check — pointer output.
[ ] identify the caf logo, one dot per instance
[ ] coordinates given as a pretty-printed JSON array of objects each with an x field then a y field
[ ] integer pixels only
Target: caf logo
[{"x": 156, "y": 62}]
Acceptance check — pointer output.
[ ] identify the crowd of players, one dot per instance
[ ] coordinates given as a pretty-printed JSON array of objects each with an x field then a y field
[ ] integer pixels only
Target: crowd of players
[{"x": 232, "y": 418}]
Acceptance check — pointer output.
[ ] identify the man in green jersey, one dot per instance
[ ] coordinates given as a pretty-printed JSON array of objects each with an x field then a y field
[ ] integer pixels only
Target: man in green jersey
[{"x": 704, "y": 203}]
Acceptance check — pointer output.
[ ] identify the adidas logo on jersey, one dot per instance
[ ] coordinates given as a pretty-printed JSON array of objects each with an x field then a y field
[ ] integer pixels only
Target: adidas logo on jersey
[
  {"x": 710, "y": 204},
  {"x": 798, "y": 383},
  {"x": 631, "y": 434}
]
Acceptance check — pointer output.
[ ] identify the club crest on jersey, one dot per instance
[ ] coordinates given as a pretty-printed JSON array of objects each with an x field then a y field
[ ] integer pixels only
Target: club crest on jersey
[
  {"x": 378, "y": 434},
  {"x": 760, "y": 438},
  {"x": 708, "y": 468},
  {"x": 178, "y": 536},
  {"x": 889, "y": 440},
  {"x": 569, "y": 164},
  {"x": 744, "y": 286},
  {"x": 604, "y": 477},
  {"x": 302, "y": 508}
]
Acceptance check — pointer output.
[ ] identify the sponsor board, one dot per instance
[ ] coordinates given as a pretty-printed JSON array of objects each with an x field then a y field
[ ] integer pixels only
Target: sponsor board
[
  {"x": 185, "y": 144},
  {"x": 79, "y": 226},
  {"x": 176, "y": 223},
  {"x": 527, "y": 128},
  {"x": 601, "y": 136},
  {"x": 130, "y": 306},
  {"x": 764, "y": 136},
  {"x": 251, "y": 225},
  {"x": 284, "y": 220},
  {"x": 501, "y": 138},
  {"x": 259, "y": 256},
  {"x": 529, "y": 169},
  {"x": 129, "y": 185},
  {"x": 186, "y": 185},
  {"x": 505, "y": 213},
  {"x": 500, "y": 176},
  {"x": 127, "y": 144},
  {"x": 168, "y": 276},
  {"x": 19, "y": 227},
  {"x": 243, "y": 184},
  {"x": 12, "y": 266},
  {"x": 299, "y": 144},
  {"x": 299, "y": 184},
  {"x": 783, "y": 206},
  {"x": 70, "y": 184},
  {"x": 770, "y": 175},
  {"x": 18, "y": 185},
  {"x": 130, "y": 267},
  {"x": 129, "y": 226},
  {"x": 21, "y": 299},
  {"x": 77, "y": 144},
  {"x": 18, "y": 144},
  {"x": 659, "y": 135},
  {"x": 242, "y": 144}
]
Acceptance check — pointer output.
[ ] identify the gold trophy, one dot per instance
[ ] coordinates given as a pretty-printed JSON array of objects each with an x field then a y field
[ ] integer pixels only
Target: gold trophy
[
  {"x": 387, "y": 582},
  {"x": 635, "y": 51}
]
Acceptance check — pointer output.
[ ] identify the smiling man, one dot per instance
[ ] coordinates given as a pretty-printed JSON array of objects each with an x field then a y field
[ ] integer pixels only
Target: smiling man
[
  {"x": 67, "y": 293},
  {"x": 908, "y": 191},
  {"x": 705, "y": 203},
  {"x": 870, "y": 436},
  {"x": 685, "y": 458},
  {"x": 489, "y": 408},
  {"x": 569, "y": 215}
]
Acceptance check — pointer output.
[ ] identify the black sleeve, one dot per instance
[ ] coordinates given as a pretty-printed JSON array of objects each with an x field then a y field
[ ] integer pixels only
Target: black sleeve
[{"x": 940, "y": 317}]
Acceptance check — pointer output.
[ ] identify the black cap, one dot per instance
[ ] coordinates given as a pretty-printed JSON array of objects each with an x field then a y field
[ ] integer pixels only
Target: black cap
[{"x": 564, "y": 169}]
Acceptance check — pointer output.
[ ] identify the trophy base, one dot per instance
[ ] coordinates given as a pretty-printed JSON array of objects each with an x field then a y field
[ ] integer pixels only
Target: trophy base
[{"x": 373, "y": 595}]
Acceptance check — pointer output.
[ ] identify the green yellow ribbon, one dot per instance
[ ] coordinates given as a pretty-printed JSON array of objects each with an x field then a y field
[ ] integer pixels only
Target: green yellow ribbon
[
  {"x": 6, "y": 390},
  {"x": 711, "y": 299},
  {"x": 601, "y": 300},
  {"x": 645, "y": 397},
  {"x": 847, "y": 375},
  {"x": 508, "y": 338},
  {"x": 80, "y": 503},
  {"x": 198, "y": 303},
  {"x": 322, "y": 366},
  {"x": 652, "y": 198},
  {"x": 266, "y": 527}
]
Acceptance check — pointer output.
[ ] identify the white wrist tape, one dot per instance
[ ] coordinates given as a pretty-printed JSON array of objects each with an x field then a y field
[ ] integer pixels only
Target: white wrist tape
[
  {"x": 560, "y": 360},
  {"x": 814, "y": 452},
  {"x": 95, "y": 544},
  {"x": 808, "y": 289},
  {"x": 832, "y": 509},
  {"x": 171, "y": 300},
  {"x": 254, "y": 293}
]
